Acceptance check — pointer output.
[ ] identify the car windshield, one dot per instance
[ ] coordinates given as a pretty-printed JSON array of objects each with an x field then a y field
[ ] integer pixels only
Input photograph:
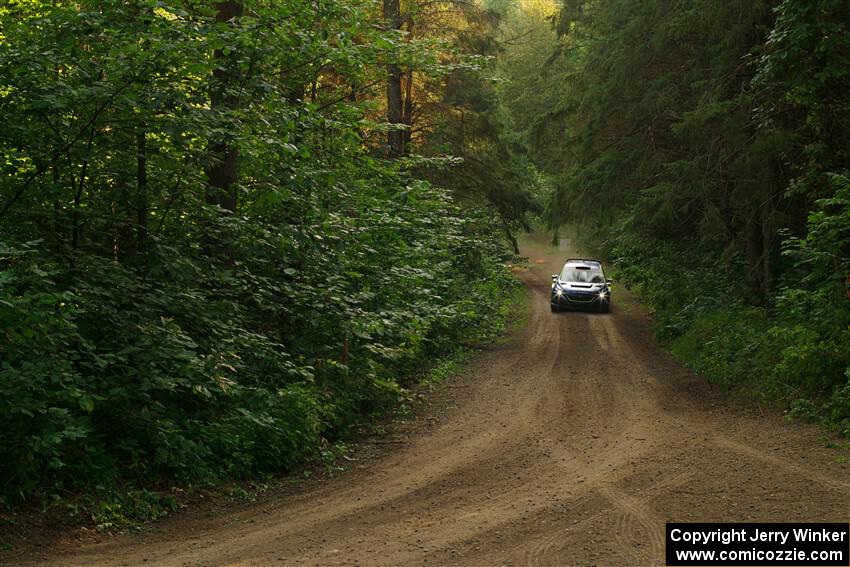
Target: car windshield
[{"x": 573, "y": 274}]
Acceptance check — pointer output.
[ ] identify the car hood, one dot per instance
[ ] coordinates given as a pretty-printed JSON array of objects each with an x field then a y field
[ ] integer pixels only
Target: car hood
[{"x": 581, "y": 286}]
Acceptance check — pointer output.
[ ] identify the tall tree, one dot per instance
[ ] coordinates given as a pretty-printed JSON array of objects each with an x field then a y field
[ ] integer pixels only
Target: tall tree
[
  {"x": 223, "y": 154},
  {"x": 395, "y": 136}
]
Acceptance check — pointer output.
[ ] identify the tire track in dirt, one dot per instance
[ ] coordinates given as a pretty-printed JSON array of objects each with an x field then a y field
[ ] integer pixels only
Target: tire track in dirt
[
  {"x": 546, "y": 551},
  {"x": 632, "y": 511},
  {"x": 767, "y": 458}
]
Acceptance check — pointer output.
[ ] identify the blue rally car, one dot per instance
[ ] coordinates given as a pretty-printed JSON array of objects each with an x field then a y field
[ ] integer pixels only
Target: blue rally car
[{"x": 581, "y": 285}]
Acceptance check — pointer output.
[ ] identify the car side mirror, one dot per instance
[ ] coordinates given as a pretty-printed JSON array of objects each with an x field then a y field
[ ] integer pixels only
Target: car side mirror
[
  {"x": 609, "y": 282},
  {"x": 554, "y": 276}
]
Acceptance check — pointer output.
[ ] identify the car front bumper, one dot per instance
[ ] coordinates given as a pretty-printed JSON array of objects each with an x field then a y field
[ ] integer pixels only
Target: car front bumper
[{"x": 573, "y": 300}]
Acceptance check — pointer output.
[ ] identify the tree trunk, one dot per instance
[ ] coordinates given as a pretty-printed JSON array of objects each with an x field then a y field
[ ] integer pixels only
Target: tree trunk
[
  {"x": 771, "y": 251},
  {"x": 395, "y": 138},
  {"x": 221, "y": 171},
  {"x": 58, "y": 220},
  {"x": 511, "y": 238},
  {"x": 78, "y": 198},
  {"x": 407, "y": 115},
  {"x": 141, "y": 189},
  {"x": 761, "y": 248}
]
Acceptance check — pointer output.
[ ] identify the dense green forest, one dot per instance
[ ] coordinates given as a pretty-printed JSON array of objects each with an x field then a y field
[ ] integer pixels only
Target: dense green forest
[
  {"x": 704, "y": 147},
  {"x": 232, "y": 232},
  {"x": 226, "y": 232}
]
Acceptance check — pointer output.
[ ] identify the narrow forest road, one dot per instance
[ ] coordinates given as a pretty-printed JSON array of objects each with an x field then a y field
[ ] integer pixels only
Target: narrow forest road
[{"x": 570, "y": 443}]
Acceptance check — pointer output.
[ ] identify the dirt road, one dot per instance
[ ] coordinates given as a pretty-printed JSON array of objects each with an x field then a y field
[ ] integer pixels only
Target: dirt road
[{"x": 570, "y": 443}]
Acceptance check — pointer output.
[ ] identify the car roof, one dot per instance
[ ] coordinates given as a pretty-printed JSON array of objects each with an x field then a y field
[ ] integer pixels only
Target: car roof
[{"x": 584, "y": 262}]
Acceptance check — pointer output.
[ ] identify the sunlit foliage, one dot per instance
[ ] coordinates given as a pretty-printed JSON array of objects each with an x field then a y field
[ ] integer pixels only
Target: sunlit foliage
[{"x": 208, "y": 269}]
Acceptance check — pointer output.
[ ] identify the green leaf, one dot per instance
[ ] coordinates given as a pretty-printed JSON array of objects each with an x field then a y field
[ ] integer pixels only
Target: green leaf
[{"x": 86, "y": 403}]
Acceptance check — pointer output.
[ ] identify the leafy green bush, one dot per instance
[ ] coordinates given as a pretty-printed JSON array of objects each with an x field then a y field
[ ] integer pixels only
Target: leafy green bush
[
  {"x": 45, "y": 403},
  {"x": 163, "y": 320},
  {"x": 794, "y": 352},
  {"x": 195, "y": 376}
]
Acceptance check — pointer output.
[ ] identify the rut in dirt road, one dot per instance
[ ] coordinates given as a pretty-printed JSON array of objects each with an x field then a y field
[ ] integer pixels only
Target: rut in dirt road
[{"x": 570, "y": 443}]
